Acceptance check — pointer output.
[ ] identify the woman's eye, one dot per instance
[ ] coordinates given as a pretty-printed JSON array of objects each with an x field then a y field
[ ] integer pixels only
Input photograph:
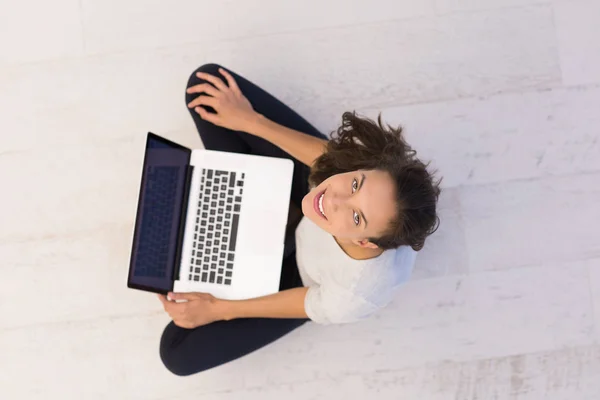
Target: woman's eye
[
  {"x": 356, "y": 218},
  {"x": 354, "y": 185}
]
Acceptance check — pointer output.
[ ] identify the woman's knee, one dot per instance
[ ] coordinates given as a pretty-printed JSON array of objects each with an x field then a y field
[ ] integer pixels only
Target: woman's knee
[
  {"x": 210, "y": 68},
  {"x": 171, "y": 354}
]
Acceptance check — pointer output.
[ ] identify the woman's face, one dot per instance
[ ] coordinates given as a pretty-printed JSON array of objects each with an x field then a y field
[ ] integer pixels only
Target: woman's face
[{"x": 355, "y": 205}]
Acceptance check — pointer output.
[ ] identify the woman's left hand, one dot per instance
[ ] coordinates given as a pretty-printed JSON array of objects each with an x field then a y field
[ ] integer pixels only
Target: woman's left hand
[
  {"x": 232, "y": 109},
  {"x": 198, "y": 309}
]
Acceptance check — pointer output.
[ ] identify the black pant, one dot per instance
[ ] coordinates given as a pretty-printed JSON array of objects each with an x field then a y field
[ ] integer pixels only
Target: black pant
[{"x": 188, "y": 351}]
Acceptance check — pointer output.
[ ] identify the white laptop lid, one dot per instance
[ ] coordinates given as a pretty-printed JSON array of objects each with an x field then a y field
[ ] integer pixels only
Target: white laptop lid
[{"x": 261, "y": 225}]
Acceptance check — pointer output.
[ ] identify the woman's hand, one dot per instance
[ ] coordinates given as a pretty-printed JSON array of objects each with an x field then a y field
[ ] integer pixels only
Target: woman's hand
[
  {"x": 198, "y": 309},
  {"x": 233, "y": 110}
]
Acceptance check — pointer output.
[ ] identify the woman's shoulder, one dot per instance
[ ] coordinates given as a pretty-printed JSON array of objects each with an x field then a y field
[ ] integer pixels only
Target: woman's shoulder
[
  {"x": 381, "y": 275},
  {"x": 402, "y": 257}
]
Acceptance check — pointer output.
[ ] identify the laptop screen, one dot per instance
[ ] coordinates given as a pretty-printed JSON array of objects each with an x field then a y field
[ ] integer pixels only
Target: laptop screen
[{"x": 159, "y": 215}]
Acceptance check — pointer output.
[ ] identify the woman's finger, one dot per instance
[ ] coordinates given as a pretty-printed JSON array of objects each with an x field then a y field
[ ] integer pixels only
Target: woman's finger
[
  {"x": 203, "y": 101},
  {"x": 204, "y": 88},
  {"x": 166, "y": 303},
  {"x": 230, "y": 81},
  {"x": 217, "y": 82},
  {"x": 163, "y": 299},
  {"x": 207, "y": 116}
]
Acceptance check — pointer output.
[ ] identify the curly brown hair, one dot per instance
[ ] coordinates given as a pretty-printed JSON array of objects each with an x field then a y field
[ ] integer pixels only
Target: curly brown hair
[{"x": 361, "y": 144}]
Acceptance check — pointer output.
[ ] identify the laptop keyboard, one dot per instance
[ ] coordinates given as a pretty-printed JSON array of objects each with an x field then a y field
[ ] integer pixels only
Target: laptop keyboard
[
  {"x": 216, "y": 229},
  {"x": 157, "y": 221}
]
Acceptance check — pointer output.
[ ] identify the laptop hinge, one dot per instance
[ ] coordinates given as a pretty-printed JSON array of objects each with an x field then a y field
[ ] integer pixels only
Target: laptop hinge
[{"x": 182, "y": 220}]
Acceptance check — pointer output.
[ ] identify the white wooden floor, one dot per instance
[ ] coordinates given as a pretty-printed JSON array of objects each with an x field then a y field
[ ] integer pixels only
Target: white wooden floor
[{"x": 503, "y": 95}]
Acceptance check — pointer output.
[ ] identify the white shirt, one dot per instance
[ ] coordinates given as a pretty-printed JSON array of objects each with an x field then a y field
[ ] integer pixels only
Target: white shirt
[{"x": 342, "y": 289}]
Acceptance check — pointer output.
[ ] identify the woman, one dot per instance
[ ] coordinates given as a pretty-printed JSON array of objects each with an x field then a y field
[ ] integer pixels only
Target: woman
[{"x": 368, "y": 205}]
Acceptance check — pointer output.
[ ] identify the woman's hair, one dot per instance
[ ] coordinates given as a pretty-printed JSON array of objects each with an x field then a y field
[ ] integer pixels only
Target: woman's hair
[{"x": 360, "y": 143}]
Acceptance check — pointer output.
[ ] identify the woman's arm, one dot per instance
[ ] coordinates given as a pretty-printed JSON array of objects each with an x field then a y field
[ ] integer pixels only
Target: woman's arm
[
  {"x": 191, "y": 310},
  {"x": 285, "y": 304},
  {"x": 234, "y": 111},
  {"x": 305, "y": 148}
]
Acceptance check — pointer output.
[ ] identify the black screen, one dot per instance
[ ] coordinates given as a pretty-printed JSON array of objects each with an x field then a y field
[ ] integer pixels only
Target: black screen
[{"x": 160, "y": 205}]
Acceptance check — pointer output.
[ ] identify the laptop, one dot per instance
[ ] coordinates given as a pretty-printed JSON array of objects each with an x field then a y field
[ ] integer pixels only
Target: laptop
[{"x": 209, "y": 221}]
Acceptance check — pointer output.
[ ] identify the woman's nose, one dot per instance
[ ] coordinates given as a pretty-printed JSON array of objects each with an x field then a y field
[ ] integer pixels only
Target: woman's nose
[{"x": 338, "y": 201}]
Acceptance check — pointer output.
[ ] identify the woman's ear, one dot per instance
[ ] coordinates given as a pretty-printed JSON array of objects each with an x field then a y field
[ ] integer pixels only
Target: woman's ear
[{"x": 366, "y": 244}]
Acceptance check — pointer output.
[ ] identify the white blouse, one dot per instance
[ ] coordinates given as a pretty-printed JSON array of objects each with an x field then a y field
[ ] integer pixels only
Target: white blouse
[{"x": 342, "y": 289}]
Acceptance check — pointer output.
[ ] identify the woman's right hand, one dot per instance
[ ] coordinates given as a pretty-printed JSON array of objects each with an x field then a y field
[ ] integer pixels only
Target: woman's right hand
[{"x": 233, "y": 110}]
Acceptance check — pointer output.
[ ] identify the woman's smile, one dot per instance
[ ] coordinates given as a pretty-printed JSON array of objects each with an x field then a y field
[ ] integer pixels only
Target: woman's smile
[{"x": 318, "y": 204}]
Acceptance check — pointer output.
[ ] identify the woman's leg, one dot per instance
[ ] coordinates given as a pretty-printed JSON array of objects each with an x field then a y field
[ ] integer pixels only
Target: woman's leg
[
  {"x": 221, "y": 139},
  {"x": 188, "y": 351},
  {"x": 218, "y": 138}
]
